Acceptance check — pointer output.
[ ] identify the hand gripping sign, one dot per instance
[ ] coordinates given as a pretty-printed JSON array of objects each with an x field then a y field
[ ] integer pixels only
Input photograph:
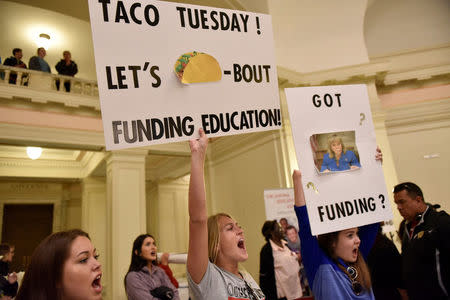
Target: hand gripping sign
[
  {"x": 335, "y": 145},
  {"x": 166, "y": 69}
]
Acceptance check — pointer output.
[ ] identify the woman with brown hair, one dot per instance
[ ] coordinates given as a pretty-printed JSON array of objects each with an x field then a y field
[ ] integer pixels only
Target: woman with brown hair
[
  {"x": 216, "y": 244},
  {"x": 145, "y": 280},
  {"x": 334, "y": 262},
  {"x": 64, "y": 266}
]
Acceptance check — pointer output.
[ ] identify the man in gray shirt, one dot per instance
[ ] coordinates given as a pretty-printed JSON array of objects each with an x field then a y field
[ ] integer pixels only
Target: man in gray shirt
[{"x": 38, "y": 63}]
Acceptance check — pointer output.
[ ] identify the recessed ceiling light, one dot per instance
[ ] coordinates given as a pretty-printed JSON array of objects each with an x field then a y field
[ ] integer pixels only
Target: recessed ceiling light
[
  {"x": 44, "y": 35},
  {"x": 34, "y": 152},
  {"x": 44, "y": 40}
]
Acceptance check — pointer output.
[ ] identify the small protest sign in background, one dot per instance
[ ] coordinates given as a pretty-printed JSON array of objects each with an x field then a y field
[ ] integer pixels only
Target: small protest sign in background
[
  {"x": 166, "y": 69},
  {"x": 280, "y": 204},
  {"x": 329, "y": 122}
]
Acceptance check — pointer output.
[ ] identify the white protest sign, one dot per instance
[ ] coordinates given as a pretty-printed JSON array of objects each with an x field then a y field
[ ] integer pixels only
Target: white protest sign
[
  {"x": 137, "y": 46},
  {"x": 280, "y": 204},
  {"x": 343, "y": 194}
]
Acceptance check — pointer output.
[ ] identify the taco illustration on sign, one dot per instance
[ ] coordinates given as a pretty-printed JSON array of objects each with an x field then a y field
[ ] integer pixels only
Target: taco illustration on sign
[{"x": 194, "y": 67}]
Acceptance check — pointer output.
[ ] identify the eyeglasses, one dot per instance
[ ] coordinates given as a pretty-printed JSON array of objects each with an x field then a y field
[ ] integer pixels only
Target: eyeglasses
[{"x": 356, "y": 286}]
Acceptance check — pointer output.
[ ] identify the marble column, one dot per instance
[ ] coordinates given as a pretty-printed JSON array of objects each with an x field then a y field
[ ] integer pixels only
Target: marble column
[
  {"x": 125, "y": 211},
  {"x": 93, "y": 220}
]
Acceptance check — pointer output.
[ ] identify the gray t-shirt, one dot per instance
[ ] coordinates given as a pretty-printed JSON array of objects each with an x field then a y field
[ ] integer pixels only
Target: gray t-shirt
[{"x": 222, "y": 285}]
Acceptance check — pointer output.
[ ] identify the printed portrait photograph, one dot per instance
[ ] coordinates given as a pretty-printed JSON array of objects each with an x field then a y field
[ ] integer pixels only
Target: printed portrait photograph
[{"x": 335, "y": 152}]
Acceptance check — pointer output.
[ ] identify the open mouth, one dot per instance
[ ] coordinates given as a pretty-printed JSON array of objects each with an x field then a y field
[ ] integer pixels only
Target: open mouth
[
  {"x": 96, "y": 284},
  {"x": 355, "y": 252},
  {"x": 241, "y": 244}
]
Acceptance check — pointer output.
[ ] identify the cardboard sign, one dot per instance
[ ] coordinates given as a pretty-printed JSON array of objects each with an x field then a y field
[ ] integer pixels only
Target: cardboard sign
[
  {"x": 331, "y": 122},
  {"x": 280, "y": 204},
  {"x": 166, "y": 69}
]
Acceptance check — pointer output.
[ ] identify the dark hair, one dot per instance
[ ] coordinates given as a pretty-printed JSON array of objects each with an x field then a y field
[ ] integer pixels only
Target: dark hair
[
  {"x": 15, "y": 50},
  {"x": 284, "y": 219},
  {"x": 137, "y": 262},
  {"x": 39, "y": 49},
  {"x": 4, "y": 249},
  {"x": 268, "y": 228},
  {"x": 412, "y": 189},
  {"x": 43, "y": 277},
  {"x": 327, "y": 242}
]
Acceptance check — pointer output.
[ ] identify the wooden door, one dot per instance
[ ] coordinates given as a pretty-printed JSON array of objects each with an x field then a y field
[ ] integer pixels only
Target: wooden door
[{"x": 25, "y": 226}]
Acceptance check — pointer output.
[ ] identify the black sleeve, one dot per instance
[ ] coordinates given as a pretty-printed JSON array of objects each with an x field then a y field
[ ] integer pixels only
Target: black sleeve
[
  {"x": 267, "y": 273},
  {"x": 59, "y": 67},
  {"x": 444, "y": 248},
  {"x": 9, "y": 62},
  {"x": 7, "y": 288},
  {"x": 394, "y": 263},
  {"x": 75, "y": 69}
]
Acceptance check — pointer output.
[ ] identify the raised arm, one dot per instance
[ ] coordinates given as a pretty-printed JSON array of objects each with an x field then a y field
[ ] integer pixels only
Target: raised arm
[
  {"x": 299, "y": 195},
  {"x": 312, "y": 255},
  {"x": 367, "y": 235},
  {"x": 197, "y": 260}
]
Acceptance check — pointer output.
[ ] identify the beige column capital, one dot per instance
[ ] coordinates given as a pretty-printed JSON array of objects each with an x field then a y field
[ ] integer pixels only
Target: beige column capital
[{"x": 126, "y": 156}]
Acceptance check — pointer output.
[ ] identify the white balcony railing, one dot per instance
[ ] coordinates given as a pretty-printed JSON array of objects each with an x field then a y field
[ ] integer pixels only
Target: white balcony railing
[
  {"x": 43, "y": 87},
  {"x": 46, "y": 81}
]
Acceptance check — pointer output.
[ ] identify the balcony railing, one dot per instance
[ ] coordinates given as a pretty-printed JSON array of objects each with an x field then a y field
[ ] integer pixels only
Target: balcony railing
[
  {"x": 46, "y": 81},
  {"x": 43, "y": 87}
]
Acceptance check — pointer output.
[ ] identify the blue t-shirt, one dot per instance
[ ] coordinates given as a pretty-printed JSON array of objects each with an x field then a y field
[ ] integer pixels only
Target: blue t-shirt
[
  {"x": 327, "y": 280},
  {"x": 346, "y": 160},
  {"x": 44, "y": 65}
]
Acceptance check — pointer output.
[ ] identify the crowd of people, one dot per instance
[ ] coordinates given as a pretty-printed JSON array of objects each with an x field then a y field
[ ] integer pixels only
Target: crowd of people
[
  {"x": 355, "y": 263},
  {"x": 66, "y": 66}
]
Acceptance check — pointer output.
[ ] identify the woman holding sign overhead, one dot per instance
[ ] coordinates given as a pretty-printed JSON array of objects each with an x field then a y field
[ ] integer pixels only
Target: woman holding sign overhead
[
  {"x": 216, "y": 244},
  {"x": 338, "y": 158},
  {"x": 334, "y": 261}
]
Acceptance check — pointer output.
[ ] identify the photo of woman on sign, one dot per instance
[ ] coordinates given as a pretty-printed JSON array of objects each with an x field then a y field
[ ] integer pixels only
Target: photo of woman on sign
[{"x": 332, "y": 155}]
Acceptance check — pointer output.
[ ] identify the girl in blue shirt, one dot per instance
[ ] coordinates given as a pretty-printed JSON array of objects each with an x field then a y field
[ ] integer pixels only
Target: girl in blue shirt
[
  {"x": 338, "y": 158},
  {"x": 334, "y": 262}
]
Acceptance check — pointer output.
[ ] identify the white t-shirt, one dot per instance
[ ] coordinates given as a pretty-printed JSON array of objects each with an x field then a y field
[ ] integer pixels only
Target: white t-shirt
[{"x": 222, "y": 285}]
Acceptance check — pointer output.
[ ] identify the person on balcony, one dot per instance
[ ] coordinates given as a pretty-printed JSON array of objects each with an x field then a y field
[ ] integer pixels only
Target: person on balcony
[
  {"x": 15, "y": 61},
  {"x": 68, "y": 67},
  {"x": 38, "y": 63}
]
